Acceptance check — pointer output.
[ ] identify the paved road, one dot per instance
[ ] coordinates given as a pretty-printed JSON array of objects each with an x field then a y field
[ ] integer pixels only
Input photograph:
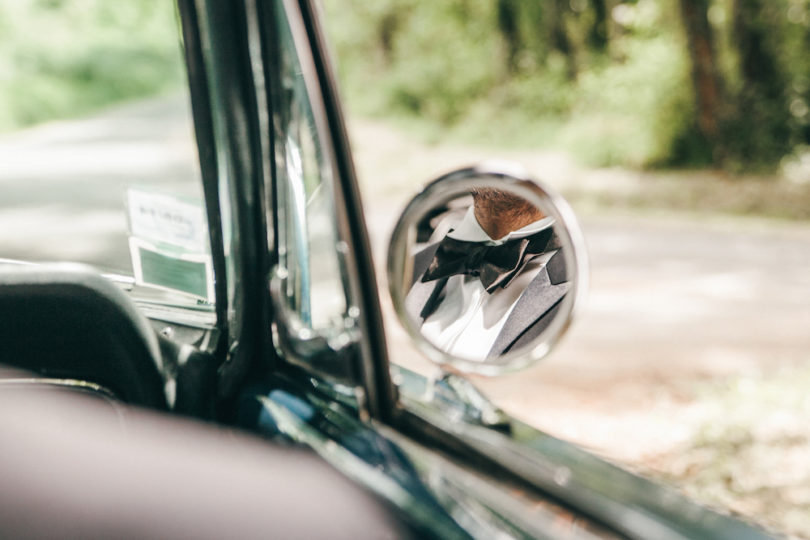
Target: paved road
[
  {"x": 672, "y": 303},
  {"x": 63, "y": 183},
  {"x": 717, "y": 295},
  {"x": 674, "y": 300}
]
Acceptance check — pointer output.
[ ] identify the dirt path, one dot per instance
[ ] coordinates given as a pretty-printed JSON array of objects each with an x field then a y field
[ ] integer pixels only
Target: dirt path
[{"x": 677, "y": 302}]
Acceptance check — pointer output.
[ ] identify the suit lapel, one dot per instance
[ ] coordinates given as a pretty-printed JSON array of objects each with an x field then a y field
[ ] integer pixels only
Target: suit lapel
[
  {"x": 539, "y": 297},
  {"x": 422, "y": 260},
  {"x": 422, "y": 296},
  {"x": 421, "y": 299}
]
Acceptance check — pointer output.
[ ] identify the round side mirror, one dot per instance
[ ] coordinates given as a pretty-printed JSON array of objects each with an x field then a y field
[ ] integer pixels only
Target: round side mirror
[{"x": 486, "y": 268}]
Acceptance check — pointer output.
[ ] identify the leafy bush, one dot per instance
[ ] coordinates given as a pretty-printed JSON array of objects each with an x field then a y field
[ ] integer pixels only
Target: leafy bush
[
  {"x": 388, "y": 57},
  {"x": 634, "y": 113},
  {"x": 66, "y": 58}
]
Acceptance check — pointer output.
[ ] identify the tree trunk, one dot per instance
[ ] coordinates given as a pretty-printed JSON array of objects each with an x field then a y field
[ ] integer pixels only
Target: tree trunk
[
  {"x": 386, "y": 32},
  {"x": 598, "y": 35},
  {"x": 507, "y": 11},
  {"x": 758, "y": 66},
  {"x": 805, "y": 127},
  {"x": 706, "y": 78},
  {"x": 559, "y": 37},
  {"x": 762, "y": 101}
]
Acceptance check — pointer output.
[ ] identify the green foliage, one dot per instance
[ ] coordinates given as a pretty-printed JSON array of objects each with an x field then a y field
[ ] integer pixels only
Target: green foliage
[
  {"x": 66, "y": 58},
  {"x": 634, "y": 113},
  {"x": 532, "y": 73},
  {"x": 388, "y": 58},
  {"x": 757, "y": 129},
  {"x": 446, "y": 65}
]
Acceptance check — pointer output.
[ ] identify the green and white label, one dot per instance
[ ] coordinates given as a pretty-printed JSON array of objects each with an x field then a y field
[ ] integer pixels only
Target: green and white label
[{"x": 169, "y": 243}]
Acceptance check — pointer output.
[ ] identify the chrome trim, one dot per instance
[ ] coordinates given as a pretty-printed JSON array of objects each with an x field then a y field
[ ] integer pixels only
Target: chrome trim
[{"x": 304, "y": 44}]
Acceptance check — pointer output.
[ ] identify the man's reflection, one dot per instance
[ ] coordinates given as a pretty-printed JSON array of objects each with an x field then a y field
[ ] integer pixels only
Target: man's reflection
[{"x": 493, "y": 282}]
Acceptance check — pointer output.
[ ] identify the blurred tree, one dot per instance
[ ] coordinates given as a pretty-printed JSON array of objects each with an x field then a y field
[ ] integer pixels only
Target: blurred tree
[
  {"x": 539, "y": 72},
  {"x": 507, "y": 14},
  {"x": 598, "y": 35},
  {"x": 760, "y": 130},
  {"x": 386, "y": 31},
  {"x": 800, "y": 105},
  {"x": 706, "y": 79},
  {"x": 559, "y": 36},
  {"x": 60, "y": 59}
]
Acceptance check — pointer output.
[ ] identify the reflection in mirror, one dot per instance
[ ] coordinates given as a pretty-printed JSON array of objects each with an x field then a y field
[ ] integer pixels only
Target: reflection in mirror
[{"x": 483, "y": 270}]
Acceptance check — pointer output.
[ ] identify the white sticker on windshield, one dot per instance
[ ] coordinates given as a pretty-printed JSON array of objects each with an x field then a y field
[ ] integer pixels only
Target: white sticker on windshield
[
  {"x": 165, "y": 219},
  {"x": 168, "y": 243}
]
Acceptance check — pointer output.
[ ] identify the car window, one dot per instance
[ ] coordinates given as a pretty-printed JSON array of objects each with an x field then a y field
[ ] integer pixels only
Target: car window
[
  {"x": 313, "y": 289},
  {"x": 99, "y": 159}
]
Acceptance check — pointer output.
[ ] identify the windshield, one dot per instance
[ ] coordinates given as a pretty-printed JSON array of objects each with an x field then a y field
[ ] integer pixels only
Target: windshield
[{"x": 97, "y": 146}]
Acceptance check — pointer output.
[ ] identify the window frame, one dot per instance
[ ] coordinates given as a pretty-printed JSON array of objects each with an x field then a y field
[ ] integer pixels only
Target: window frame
[
  {"x": 231, "y": 152},
  {"x": 233, "y": 78},
  {"x": 369, "y": 374}
]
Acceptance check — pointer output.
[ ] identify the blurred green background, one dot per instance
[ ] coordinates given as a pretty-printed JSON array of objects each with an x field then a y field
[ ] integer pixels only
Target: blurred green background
[
  {"x": 637, "y": 83},
  {"x": 633, "y": 83},
  {"x": 63, "y": 59}
]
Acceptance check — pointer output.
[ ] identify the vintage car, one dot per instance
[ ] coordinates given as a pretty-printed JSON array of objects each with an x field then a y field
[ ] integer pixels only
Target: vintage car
[{"x": 250, "y": 304}]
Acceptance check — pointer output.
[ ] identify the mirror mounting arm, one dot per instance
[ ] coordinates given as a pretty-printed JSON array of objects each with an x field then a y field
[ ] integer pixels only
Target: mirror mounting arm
[{"x": 451, "y": 396}]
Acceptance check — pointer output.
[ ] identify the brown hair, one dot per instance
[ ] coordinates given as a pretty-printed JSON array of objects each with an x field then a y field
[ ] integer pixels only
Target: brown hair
[{"x": 500, "y": 212}]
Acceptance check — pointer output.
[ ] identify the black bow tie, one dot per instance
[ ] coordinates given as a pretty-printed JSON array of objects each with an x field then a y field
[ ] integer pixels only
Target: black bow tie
[{"x": 495, "y": 266}]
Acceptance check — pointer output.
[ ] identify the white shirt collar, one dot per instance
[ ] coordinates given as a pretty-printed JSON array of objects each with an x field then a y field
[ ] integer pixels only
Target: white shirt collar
[{"x": 468, "y": 230}]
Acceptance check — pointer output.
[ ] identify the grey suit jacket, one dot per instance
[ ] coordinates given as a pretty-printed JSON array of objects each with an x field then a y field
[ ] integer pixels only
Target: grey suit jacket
[{"x": 534, "y": 311}]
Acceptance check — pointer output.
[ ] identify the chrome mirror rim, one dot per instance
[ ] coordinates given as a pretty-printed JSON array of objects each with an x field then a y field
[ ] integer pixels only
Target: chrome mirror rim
[{"x": 452, "y": 185}]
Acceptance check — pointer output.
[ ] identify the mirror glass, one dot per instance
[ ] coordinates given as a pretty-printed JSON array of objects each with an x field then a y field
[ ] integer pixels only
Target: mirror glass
[{"x": 485, "y": 268}]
